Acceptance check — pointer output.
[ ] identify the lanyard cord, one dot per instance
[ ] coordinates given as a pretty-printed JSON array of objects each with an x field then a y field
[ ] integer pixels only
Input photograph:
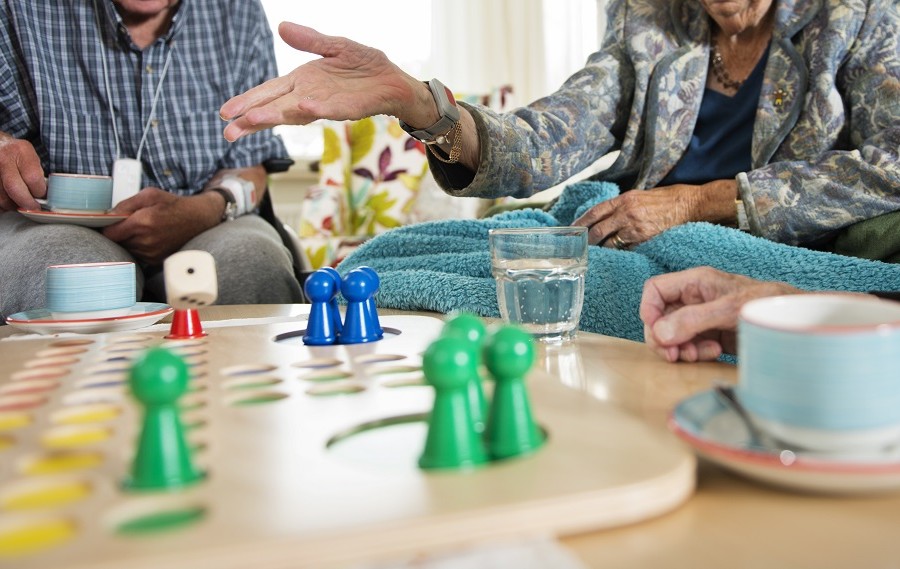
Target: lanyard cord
[
  {"x": 112, "y": 112},
  {"x": 162, "y": 78}
]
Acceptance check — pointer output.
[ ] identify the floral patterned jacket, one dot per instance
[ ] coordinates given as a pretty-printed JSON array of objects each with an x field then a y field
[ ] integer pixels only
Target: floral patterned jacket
[{"x": 825, "y": 141}]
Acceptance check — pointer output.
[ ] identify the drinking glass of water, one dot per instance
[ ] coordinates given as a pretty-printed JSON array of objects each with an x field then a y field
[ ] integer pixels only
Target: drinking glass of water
[{"x": 540, "y": 278}]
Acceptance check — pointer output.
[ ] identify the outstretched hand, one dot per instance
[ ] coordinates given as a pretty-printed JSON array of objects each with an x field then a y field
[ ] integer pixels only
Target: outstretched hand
[
  {"x": 350, "y": 81},
  {"x": 692, "y": 315}
]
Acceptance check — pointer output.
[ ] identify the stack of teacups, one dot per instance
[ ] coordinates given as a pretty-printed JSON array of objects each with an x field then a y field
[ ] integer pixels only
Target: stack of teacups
[
  {"x": 79, "y": 193},
  {"x": 822, "y": 372},
  {"x": 90, "y": 290}
]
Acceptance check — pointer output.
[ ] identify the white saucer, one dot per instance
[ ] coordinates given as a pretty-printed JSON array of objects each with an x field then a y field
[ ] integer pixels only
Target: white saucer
[
  {"x": 718, "y": 434},
  {"x": 41, "y": 322},
  {"x": 83, "y": 219}
]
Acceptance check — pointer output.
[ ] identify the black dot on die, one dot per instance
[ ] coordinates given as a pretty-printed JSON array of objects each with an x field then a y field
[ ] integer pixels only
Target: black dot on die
[{"x": 190, "y": 271}]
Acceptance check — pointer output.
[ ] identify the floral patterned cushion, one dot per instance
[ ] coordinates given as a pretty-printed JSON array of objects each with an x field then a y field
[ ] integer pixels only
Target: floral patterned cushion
[
  {"x": 369, "y": 178},
  {"x": 373, "y": 177}
]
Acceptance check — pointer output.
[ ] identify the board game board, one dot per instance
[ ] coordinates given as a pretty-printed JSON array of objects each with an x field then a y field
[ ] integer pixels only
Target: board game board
[{"x": 309, "y": 455}]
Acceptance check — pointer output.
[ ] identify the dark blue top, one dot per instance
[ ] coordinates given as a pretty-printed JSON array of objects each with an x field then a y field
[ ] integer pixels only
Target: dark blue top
[{"x": 722, "y": 139}]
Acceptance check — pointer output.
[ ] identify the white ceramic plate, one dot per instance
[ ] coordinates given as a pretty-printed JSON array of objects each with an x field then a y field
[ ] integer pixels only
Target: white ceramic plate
[
  {"x": 83, "y": 219},
  {"x": 40, "y": 321},
  {"x": 718, "y": 434}
]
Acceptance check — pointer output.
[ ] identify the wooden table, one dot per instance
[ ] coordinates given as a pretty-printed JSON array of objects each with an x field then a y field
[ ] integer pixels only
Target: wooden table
[{"x": 730, "y": 521}]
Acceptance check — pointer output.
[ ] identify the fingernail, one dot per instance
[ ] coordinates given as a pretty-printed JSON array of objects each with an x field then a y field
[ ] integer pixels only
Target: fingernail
[{"x": 664, "y": 331}]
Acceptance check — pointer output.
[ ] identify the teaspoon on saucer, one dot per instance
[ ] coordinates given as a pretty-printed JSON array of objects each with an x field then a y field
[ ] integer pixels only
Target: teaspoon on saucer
[{"x": 758, "y": 438}]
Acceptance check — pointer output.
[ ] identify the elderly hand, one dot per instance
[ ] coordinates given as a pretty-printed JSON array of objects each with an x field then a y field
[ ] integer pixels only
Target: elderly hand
[
  {"x": 692, "y": 315},
  {"x": 350, "y": 81},
  {"x": 160, "y": 223},
  {"x": 638, "y": 215},
  {"x": 21, "y": 176}
]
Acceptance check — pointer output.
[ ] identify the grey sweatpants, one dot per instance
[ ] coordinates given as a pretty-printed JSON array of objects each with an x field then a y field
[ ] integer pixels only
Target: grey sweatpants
[{"x": 252, "y": 264}]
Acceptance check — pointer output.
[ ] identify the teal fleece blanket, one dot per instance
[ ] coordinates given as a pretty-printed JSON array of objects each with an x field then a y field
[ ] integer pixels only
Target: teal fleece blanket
[{"x": 444, "y": 266}]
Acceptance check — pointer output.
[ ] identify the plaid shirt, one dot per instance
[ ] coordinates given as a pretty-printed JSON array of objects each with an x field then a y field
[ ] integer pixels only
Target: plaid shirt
[{"x": 53, "y": 93}]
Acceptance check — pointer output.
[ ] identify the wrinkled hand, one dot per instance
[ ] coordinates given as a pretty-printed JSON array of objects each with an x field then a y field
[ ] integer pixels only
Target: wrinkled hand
[
  {"x": 21, "y": 175},
  {"x": 350, "y": 81},
  {"x": 159, "y": 224},
  {"x": 638, "y": 215},
  {"x": 692, "y": 315}
]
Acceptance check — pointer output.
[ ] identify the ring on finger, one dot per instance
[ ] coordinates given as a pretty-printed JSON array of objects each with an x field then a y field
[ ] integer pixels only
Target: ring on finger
[{"x": 618, "y": 242}]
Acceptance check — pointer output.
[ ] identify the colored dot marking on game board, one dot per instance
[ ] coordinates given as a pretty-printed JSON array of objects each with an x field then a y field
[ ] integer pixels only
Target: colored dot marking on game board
[
  {"x": 53, "y": 373},
  {"x": 164, "y": 520},
  {"x": 32, "y": 537},
  {"x": 74, "y": 436},
  {"x": 13, "y": 421},
  {"x": 191, "y": 404},
  {"x": 318, "y": 363},
  {"x": 251, "y": 383},
  {"x": 193, "y": 424},
  {"x": 189, "y": 351},
  {"x": 378, "y": 358},
  {"x": 323, "y": 376},
  {"x": 95, "y": 396},
  {"x": 406, "y": 382},
  {"x": 60, "y": 462},
  {"x": 96, "y": 382},
  {"x": 29, "y": 386},
  {"x": 332, "y": 389},
  {"x": 124, "y": 349},
  {"x": 55, "y": 352},
  {"x": 21, "y": 402},
  {"x": 135, "y": 339},
  {"x": 251, "y": 399},
  {"x": 86, "y": 414},
  {"x": 393, "y": 370},
  {"x": 6, "y": 442},
  {"x": 195, "y": 361},
  {"x": 62, "y": 361},
  {"x": 35, "y": 494},
  {"x": 132, "y": 339},
  {"x": 120, "y": 368},
  {"x": 248, "y": 369},
  {"x": 72, "y": 342}
]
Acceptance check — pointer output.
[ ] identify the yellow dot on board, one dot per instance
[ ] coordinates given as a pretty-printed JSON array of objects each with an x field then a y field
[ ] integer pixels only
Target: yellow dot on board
[
  {"x": 33, "y": 537},
  {"x": 10, "y": 421},
  {"x": 5, "y": 443},
  {"x": 87, "y": 414},
  {"x": 74, "y": 436},
  {"x": 44, "y": 495},
  {"x": 62, "y": 462}
]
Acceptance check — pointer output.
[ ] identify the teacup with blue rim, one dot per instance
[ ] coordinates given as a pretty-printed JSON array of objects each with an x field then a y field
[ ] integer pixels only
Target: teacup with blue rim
[
  {"x": 90, "y": 290},
  {"x": 77, "y": 193},
  {"x": 822, "y": 371}
]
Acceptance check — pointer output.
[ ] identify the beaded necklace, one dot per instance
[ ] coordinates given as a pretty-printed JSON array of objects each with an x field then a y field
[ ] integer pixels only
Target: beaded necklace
[{"x": 718, "y": 69}]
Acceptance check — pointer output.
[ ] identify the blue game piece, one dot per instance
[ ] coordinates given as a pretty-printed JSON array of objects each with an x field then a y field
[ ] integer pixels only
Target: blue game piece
[
  {"x": 370, "y": 304},
  {"x": 336, "y": 313},
  {"x": 321, "y": 290},
  {"x": 357, "y": 287}
]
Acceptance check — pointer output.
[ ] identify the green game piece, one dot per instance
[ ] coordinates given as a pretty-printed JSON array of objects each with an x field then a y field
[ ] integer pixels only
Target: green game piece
[
  {"x": 452, "y": 441},
  {"x": 163, "y": 458},
  {"x": 470, "y": 328},
  {"x": 511, "y": 429}
]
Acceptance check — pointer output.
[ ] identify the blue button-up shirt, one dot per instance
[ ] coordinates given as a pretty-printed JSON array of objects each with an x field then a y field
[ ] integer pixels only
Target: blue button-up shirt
[{"x": 53, "y": 92}]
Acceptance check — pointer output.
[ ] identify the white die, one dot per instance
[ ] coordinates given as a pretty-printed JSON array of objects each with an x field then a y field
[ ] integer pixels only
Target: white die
[{"x": 190, "y": 278}]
